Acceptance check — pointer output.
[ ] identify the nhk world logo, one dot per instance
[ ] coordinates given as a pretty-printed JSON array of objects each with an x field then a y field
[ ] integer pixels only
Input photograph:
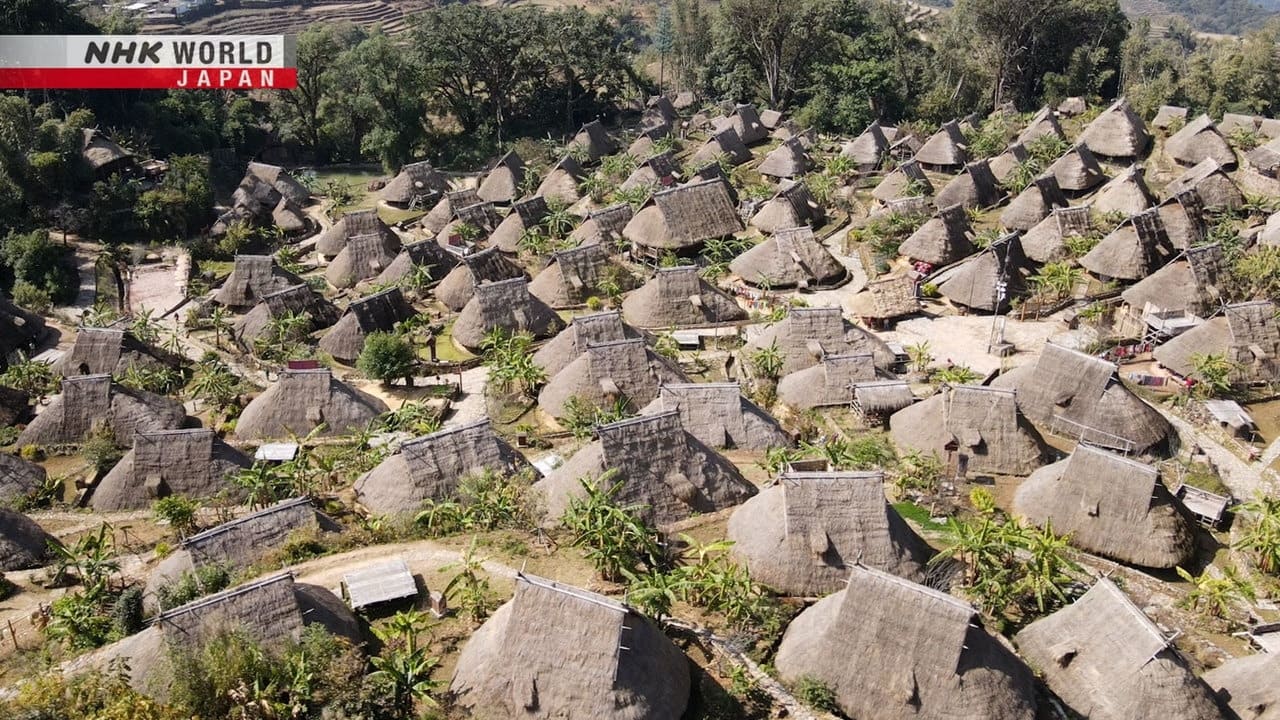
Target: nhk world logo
[{"x": 195, "y": 62}]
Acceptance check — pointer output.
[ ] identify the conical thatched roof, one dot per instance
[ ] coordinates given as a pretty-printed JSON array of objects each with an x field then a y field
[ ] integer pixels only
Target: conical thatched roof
[
  {"x": 505, "y": 304},
  {"x": 422, "y": 253},
  {"x": 828, "y": 383},
  {"x": 363, "y": 257},
  {"x": 300, "y": 401},
  {"x": 792, "y": 206},
  {"x": 745, "y": 121},
  {"x": 102, "y": 155},
  {"x": 945, "y": 149},
  {"x": 1006, "y": 163},
  {"x": 90, "y": 400},
  {"x": 252, "y": 278},
  {"x": 621, "y": 370},
  {"x": 723, "y": 144},
  {"x": 1046, "y": 241},
  {"x": 298, "y": 299},
  {"x": 1117, "y": 133},
  {"x": 418, "y": 181},
  {"x": 1167, "y": 116},
  {"x": 644, "y": 143},
  {"x": 1107, "y": 661},
  {"x": 1190, "y": 283},
  {"x": 573, "y": 276},
  {"x": 19, "y": 330},
  {"x": 989, "y": 280},
  {"x": 868, "y": 149},
  {"x": 1216, "y": 189},
  {"x": 525, "y": 214},
  {"x": 1197, "y": 141},
  {"x": 1264, "y": 158},
  {"x": 683, "y": 218},
  {"x": 379, "y": 312},
  {"x": 789, "y": 258},
  {"x": 273, "y": 199},
  {"x": 354, "y": 223},
  {"x": 941, "y": 240},
  {"x": 807, "y": 335},
  {"x": 561, "y": 182},
  {"x": 665, "y": 472},
  {"x": 1077, "y": 171},
  {"x": 906, "y": 180},
  {"x": 604, "y": 227},
  {"x": 678, "y": 296},
  {"x": 108, "y": 351},
  {"x": 973, "y": 188},
  {"x": 1247, "y": 686},
  {"x": 889, "y": 297},
  {"x": 583, "y": 332},
  {"x": 655, "y": 171},
  {"x": 1132, "y": 251},
  {"x": 1125, "y": 193},
  {"x": 18, "y": 478},
  {"x": 280, "y": 179},
  {"x": 15, "y": 406},
  {"x": 487, "y": 265},
  {"x": 1184, "y": 219},
  {"x": 1109, "y": 505},
  {"x": 660, "y": 106},
  {"x": 982, "y": 424},
  {"x": 719, "y": 416},
  {"x": 430, "y": 467},
  {"x": 804, "y": 534},
  {"x": 23, "y": 544},
  {"x": 1033, "y": 204},
  {"x": 560, "y": 651},
  {"x": 447, "y": 209},
  {"x": 1044, "y": 123},
  {"x": 1246, "y": 334},
  {"x": 788, "y": 160},
  {"x": 1079, "y": 396},
  {"x": 890, "y": 648},
  {"x": 192, "y": 463},
  {"x": 502, "y": 183},
  {"x": 594, "y": 140}
]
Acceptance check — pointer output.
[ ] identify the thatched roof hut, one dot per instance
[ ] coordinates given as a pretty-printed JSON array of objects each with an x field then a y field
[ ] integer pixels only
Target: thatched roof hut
[
  {"x": 805, "y": 533},
  {"x": 281, "y": 181},
  {"x": 1106, "y": 660},
  {"x": 828, "y": 383},
  {"x": 192, "y": 463},
  {"x": 788, "y": 160},
  {"x": 973, "y": 188},
  {"x": 1117, "y": 133},
  {"x": 745, "y": 122},
  {"x": 1247, "y": 686},
  {"x": 1079, "y": 396},
  {"x": 1125, "y": 193},
  {"x": 424, "y": 253},
  {"x": 583, "y": 332},
  {"x": 678, "y": 296},
  {"x": 890, "y": 648},
  {"x": 18, "y": 478},
  {"x": 573, "y": 276},
  {"x": 621, "y": 370},
  {"x": 1033, "y": 204},
  {"x": 1046, "y": 242},
  {"x": 1245, "y": 333},
  {"x": 1191, "y": 283},
  {"x": 362, "y": 258},
  {"x": 1211, "y": 182},
  {"x": 1265, "y": 158},
  {"x": 1184, "y": 219},
  {"x": 594, "y": 141},
  {"x": 944, "y": 151},
  {"x": 302, "y": 400},
  {"x": 719, "y": 416},
  {"x": 20, "y": 330},
  {"x": 792, "y": 206},
  {"x": 889, "y": 297},
  {"x": 665, "y": 472},
  {"x": 487, "y": 265},
  {"x": 868, "y": 149},
  {"x": 23, "y": 543},
  {"x": 429, "y": 468},
  {"x": 103, "y": 156},
  {"x": 1197, "y": 141},
  {"x": 558, "y": 651},
  {"x": 298, "y": 299},
  {"x": 108, "y": 351},
  {"x": 1110, "y": 505},
  {"x": 416, "y": 184},
  {"x": 87, "y": 401},
  {"x": 525, "y": 214},
  {"x": 660, "y": 107},
  {"x": 1004, "y": 165},
  {"x": 379, "y": 312},
  {"x": 942, "y": 239},
  {"x": 658, "y": 170},
  {"x": 989, "y": 280},
  {"x": 723, "y": 144},
  {"x": 981, "y": 426},
  {"x": 447, "y": 208},
  {"x": 1168, "y": 116},
  {"x": 645, "y": 142},
  {"x": 561, "y": 182},
  {"x": 1077, "y": 171},
  {"x": 789, "y": 258},
  {"x": 252, "y": 278},
  {"x": 354, "y": 223},
  {"x": 1134, "y": 250},
  {"x": 682, "y": 218},
  {"x": 604, "y": 227},
  {"x": 906, "y": 180},
  {"x": 505, "y": 304},
  {"x": 807, "y": 335},
  {"x": 15, "y": 406},
  {"x": 1045, "y": 122},
  {"x": 502, "y": 183}
]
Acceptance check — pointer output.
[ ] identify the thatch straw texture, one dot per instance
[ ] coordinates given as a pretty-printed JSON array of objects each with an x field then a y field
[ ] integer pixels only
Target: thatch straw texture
[
  {"x": 23, "y": 543},
  {"x": 107, "y": 351},
  {"x": 678, "y": 296},
  {"x": 662, "y": 107},
  {"x": 300, "y": 401},
  {"x": 790, "y": 258},
  {"x": 745, "y": 122},
  {"x": 906, "y": 180},
  {"x": 429, "y": 468},
  {"x": 941, "y": 240},
  {"x": 15, "y": 406},
  {"x": 1211, "y": 182},
  {"x": 891, "y": 649},
  {"x": 594, "y": 140},
  {"x": 792, "y": 206},
  {"x": 1044, "y": 123},
  {"x": 1077, "y": 171},
  {"x": 887, "y": 298},
  {"x": 89, "y": 400},
  {"x": 1033, "y": 204},
  {"x": 1197, "y": 141},
  {"x": 723, "y": 144},
  {"x": 683, "y": 218},
  {"x": 1191, "y": 283},
  {"x": 290, "y": 218},
  {"x": 1184, "y": 219},
  {"x": 604, "y": 227},
  {"x": 645, "y": 142},
  {"x": 807, "y": 335},
  {"x": 362, "y": 258},
  {"x": 945, "y": 149},
  {"x": 192, "y": 463},
  {"x": 583, "y": 332},
  {"x": 1109, "y": 505},
  {"x": 266, "y": 609},
  {"x": 804, "y": 534},
  {"x": 656, "y": 171},
  {"x": 665, "y": 472},
  {"x": 575, "y": 275},
  {"x": 280, "y": 179},
  {"x": 973, "y": 188},
  {"x": 487, "y": 265},
  {"x": 868, "y": 149},
  {"x": 1132, "y": 251},
  {"x": 831, "y": 382},
  {"x": 1117, "y": 133},
  {"x": 981, "y": 426},
  {"x": 426, "y": 253},
  {"x": 563, "y": 652},
  {"x": 882, "y": 398},
  {"x": 719, "y": 416},
  {"x": 1046, "y": 241},
  {"x": 1167, "y": 116},
  {"x": 19, "y": 330},
  {"x": 505, "y": 304},
  {"x": 976, "y": 283},
  {"x": 416, "y": 181},
  {"x": 608, "y": 372},
  {"x": 1125, "y": 193},
  {"x": 447, "y": 208},
  {"x": 298, "y": 299},
  {"x": 1265, "y": 158},
  {"x": 101, "y": 155},
  {"x": 1079, "y": 396},
  {"x": 379, "y": 312},
  {"x": 1006, "y": 163},
  {"x": 1246, "y": 334},
  {"x": 252, "y": 278},
  {"x": 18, "y": 478},
  {"x": 502, "y": 183},
  {"x": 1247, "y": 686},
  {"x": 1107, "y": 661},
  {"x": 561, "y": 182},
  {"x": 354, "y": 223},
  {"x": 788, "y": 160},
  {"x": 525, "y": 215}
]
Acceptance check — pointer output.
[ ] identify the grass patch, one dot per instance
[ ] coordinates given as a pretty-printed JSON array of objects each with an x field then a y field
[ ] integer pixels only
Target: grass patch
[{"x": 919, "y": 516}]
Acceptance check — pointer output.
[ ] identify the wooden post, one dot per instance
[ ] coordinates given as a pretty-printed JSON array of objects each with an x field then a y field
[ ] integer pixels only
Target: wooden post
[{"x": 13, "y": 635}]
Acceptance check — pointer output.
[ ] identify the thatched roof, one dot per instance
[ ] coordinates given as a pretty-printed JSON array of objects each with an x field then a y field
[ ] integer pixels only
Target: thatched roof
[
  {"x": 945, "y": 149},
  {"x": 15, "y": 406},
  {"x": 658, "y": 110},
  {"x": 1247, "y": 686},
  {"x": 505, "y": 304},
  {"x": 558, "y": 651},
  {"x": 980, "y": 423},
  {"x": 561, "y": 182},
  {"x": 1265, "y": 158},
  {"x": 868, "y": 149},
  {"x": 1246, "y": 334},
  {"x": 524, "y": 215},
  {"x": 973, "y": 188},
  {"x": 252, "y": 278},
  {"x": 906, "y": 180},
  {"x": 1077, "y": 171},
  {"x": 683, "y": 218},
  {"x": 1117, "y": 133},
  {"x": 1211, "y": 182},
  {"x": 19, "y": 330},
  {"x": 1046, "y": 241},
  {"x": 1197, "y": 141},
  {"x": 942, "y": 239},
  {"x": 1033, "y": 204},
  {"x": 789, "y": 258},
  {"x": 890, "y": 648},
  {"x": 1006, "y": 163},
  {"x": 573, "y": 276},
  {"x": 665, "y": 472},
  {"x": 300, "y": 401},
  {"x": 678, "y": 296},
  {"x": 724, "y": 143},
  {"x": 418, "y": 180},
  {"x": 1079, "y": 396},
  {"x": 582, "y": 332},
  {"x": 23, "y": 543},
  {"x": 882, "y": 397},
  {"x": 379, "y": 312},
  {"x": 1044, "y": 123},
  {"x": 889, "y": 297},
  {"x": 1125, "y": 193},
  {"x": 1134, "y": 250},
  {"x": 18, "y": 478},
  {"x": 280, "y": 179},
  {"x": 101, "y": 155},
  {"x": 828, "y": 383},
  {"x": 792, "y": 206},
  {"x": 1109, "y": 505},
  {"x": 297, "y": 299},
  {"x": 362, "y": 258},
  {"x": 604, "y": 227},
  {"x": 1191, "y": 283},
  {"x": 502, "y": 183},
  {"x": 108, "y": 351},
  {"x": 658, "y": 170},
  {"x": 89, "y": 400},
  {"x": 644, "y": 143},
  {"x": 354, "y": 223},
  {"x": 788, "y": 160},
  {"x": 594, "y": 140},
  {"x": 977, "y": 282},
  {"x": 267, "y": 195},
  {"x": 1167, "y": 116},
  {"x": 719, "y": 416},
  {"x": 192, "y": 463},
  {"x": 1106, "y": 660},
  {"x": 430, "y": 467},
  {"x": 487, "y": 265},
  {"x": 1184, "y": 219},
  {"x": 447, "y": 209},
  {"x": 807, "y": 335},
  {"x": 422, "y": 253},
  {"x": 803, "y": 535},
  {"x": 608, "y": 372},
  {"x": 745, "y": 121}
]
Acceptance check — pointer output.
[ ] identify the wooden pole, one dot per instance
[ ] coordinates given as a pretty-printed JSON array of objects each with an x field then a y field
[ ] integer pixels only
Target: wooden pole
[{"x": 13, "y": 635}]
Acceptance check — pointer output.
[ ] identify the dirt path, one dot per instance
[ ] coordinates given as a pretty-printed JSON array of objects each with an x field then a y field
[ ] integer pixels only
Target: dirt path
[{"x": 1244, "y": 480}]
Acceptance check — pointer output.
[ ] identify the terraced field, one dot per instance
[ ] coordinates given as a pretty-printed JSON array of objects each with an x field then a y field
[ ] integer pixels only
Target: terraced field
[{"x": 294, "y": 18}]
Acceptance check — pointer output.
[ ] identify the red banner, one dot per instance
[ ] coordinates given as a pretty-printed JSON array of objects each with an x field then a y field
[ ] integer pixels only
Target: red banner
[{"x": 190, "y": 78}]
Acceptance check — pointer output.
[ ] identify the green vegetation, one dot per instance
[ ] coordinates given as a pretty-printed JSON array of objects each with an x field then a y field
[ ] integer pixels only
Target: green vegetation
[
  {"x": 387, "y": 357},
  {"x": 613, "y": 538},
  {"x": 1261, "y": 533},
  {"x": 509, "y": 358},
  {"x": 37, "y": 270},
  {"x": 179, "y": 512},
  {"x": 482, "y": 501},
  {"x": 191, "y": 586}
]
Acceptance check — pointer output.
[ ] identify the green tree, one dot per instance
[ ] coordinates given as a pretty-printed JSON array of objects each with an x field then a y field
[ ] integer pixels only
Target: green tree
[
  {"x": 664, "y": 41},
  {"x": 264, "y": 484},
  {"x": 1214, "y": 373},
  {"x": 405, "y": 667},
  {"x": 179, "y": 512},
  {"x": 614, "y": 538},
  {"x": 387, "y": 357},
  {"x": 767, "y": 361}
]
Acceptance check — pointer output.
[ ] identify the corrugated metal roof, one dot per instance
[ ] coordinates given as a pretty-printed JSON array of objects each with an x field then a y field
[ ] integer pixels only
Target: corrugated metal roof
[
  {"x": 380, "y": 582},
  {"x": 276, "y": 452}
]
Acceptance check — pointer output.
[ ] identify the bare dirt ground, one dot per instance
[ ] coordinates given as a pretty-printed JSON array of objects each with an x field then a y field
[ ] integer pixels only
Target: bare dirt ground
[
  {"x": 160, "y": 287},
  {"x": 963, "y": 339}
]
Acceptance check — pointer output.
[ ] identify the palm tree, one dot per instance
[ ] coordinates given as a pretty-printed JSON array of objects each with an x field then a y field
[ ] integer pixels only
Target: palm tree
[
  {"x": 219, "y": 320},
  {"x": 919, "y": 355},
  {"x": 264, "y": 484}
]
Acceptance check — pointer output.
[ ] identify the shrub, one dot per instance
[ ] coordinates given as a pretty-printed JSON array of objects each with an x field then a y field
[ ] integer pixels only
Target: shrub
[
  {"x": 7, "y": 588},
  {"x": 386, "y": 357},
  {"x": 127, "y": 615},
  {"x": 32, "y": 298},
  {"x": 179, "y": 511},
  {"x": 33, "y": 453},
  {"x": 193, "y": 585},
  {"x": 301, "y": 545},
  {"x": 817, "y": 694},
  {"x": 615, "y": 540},
  {"x": 100, "y": 449}
]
